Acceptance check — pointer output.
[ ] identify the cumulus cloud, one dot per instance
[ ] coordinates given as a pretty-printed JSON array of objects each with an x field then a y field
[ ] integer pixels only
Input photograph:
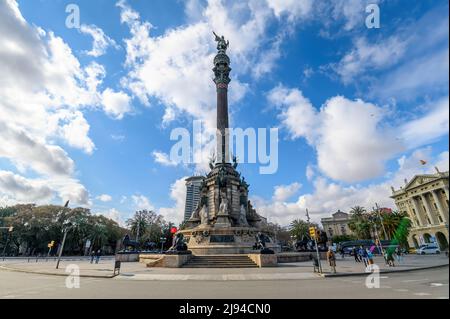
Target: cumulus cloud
[
  {"x": 16, "y": 189},
  {"x": 43, "y": 91},
  {"x": 162, "y": 66},
  {"x": 116, "y": 104},
  {"x": 101, "y": 41},
  {"x": 328, "y": 196},
  {"x": 141, "y": 202},
  {"x": 28, "y": 152},
  {"x": 284, "y": 192},
  {"x": 115, "y": 215},
  {"x": 292, "y": 9},
  {"x": 22, "y": 189},
  {"x": 163, "y": 159},
  {"x": 104, "y": 198},
  {"x": 175, "y": 213},
  {"x": 351, "y": 141}
]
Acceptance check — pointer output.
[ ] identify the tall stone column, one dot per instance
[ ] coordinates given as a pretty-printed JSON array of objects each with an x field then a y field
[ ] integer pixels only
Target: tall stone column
[
  {"x": 437, "y": 200},
  {"x": 411, "y": 215},
  {"x": 222, "y": 79},
  {"x": 446, "y": 191},
  {"x": 422, "y": 222},
  {"x": 428, "y": 210}
]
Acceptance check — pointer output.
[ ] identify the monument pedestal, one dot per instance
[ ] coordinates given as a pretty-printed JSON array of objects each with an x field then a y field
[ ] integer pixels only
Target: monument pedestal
[{"x": 222, "y": 241}]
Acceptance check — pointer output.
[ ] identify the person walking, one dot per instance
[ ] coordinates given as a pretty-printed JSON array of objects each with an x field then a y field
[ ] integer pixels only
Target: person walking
[
  {"x": 97, "y": 256},
  {"x": 363, "y": 255},
  {"x": 390, "y": 258},
  {"x": 369, "y": 256},
  {"x": 355, "y": 254},
  {"x": 331, "y": 257},
  {"x": 398, "y": 254},
  {"x": 92, "y": 256},
  {"x": 342, "y": 253}
]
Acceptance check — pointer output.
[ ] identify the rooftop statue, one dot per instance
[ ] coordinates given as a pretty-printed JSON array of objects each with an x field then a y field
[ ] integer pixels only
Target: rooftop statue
[{"x": 221, "y": 44}]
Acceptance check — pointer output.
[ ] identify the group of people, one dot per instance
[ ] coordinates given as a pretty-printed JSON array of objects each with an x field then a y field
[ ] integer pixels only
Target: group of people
[
  {"x": 363, "y": 255},
  {"x": 95, "y": 255},
  {"x": 366, "y": 255}
]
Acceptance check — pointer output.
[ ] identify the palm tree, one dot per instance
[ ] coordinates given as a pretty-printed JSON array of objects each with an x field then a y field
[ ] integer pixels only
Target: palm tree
[
  {"x": 359, "y": 222},
  {"x": 300, "y": 228},
  {"x": 357, "y": 210}
]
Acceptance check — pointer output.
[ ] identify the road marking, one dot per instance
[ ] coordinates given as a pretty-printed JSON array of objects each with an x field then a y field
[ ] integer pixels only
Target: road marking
[
  {"x": 401, "y": 290},
  {"x": 414, "y": 280},
  {"x": 442, "y": 297},
  {"x": 436, "y": 284},
  {"x": 422, "y": 294}
]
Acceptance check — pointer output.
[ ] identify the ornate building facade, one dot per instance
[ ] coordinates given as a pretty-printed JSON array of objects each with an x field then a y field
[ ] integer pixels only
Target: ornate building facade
[
  {"x": 337, "y": 224},
  {"x": 426, "y": 201}
]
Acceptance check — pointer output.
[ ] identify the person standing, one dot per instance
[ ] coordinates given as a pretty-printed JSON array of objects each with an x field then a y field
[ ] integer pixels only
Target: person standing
[
  {"x": 331, "y": 257},
  {"x": 92, "y": 256},
  {"x": 97, "y": 256},
  {"x": 342, "y": 253}
]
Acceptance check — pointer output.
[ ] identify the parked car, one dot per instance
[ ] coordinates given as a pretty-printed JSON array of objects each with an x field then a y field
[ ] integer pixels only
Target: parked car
[{"x": 428, "y": 250}]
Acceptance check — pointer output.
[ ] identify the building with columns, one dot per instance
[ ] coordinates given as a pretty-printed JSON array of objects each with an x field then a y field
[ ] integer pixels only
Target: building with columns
[
  {"x": 337, "y": 224},
  {"x": 425, "y": 199}
]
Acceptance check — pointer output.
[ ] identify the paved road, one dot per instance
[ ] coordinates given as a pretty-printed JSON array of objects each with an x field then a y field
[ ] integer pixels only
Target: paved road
[{"x": 432, "y": 283}]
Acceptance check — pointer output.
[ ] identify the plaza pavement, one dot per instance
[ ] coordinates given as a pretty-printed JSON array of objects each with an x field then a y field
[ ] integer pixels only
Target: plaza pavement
[{"x": 285, "y": 271}]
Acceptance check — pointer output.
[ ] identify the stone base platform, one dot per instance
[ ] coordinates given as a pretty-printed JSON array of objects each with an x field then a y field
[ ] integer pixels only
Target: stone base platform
[{"x": 206, "y": 240}]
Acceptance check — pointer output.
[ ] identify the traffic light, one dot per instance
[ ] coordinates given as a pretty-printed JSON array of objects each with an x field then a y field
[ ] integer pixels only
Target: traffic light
[
  {"x": 11, "y": 228},
  {"x": 312, "y": 232}
]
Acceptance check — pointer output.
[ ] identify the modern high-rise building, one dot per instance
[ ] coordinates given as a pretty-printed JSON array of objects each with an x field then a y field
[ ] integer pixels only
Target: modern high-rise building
[{"x": 193, "y": 185}]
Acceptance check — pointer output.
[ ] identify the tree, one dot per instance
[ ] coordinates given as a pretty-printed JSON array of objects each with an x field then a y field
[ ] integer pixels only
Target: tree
[
  {"x": 300, "y": 228},
  {"x": 359, "y": 222},
  {"x": 36, "y": 226},
  {"x": 340, "y": 238},
  {"x": 149, "y": 224}
]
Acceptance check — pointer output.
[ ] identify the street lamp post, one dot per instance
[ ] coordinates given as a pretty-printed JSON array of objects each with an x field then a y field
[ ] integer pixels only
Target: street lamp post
[
  {"x": 66, "y": 228},
  {"x": 381, "y": 220}
]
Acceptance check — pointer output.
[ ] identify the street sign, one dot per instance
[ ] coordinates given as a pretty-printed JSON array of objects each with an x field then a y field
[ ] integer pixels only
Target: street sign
[{"x": 173, "y": 230}]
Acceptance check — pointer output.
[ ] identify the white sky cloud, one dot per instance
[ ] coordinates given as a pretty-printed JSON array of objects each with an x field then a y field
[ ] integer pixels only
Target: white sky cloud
[
  {"x": 351, "y": 142},
  {"x": 327, "y": 196},
  {"x": 163, "y": 159},
  {"x": 104, "y": 198},
  {"x": 101, "y": 41},
  {"x": 141, "y": 202},
  {"x": 284, "y": 192},
  {"x": 116, "y": 104}
]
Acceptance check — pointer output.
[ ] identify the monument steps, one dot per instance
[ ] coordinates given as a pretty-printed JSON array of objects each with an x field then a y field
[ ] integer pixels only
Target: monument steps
[{"x": 218, "y": 261}]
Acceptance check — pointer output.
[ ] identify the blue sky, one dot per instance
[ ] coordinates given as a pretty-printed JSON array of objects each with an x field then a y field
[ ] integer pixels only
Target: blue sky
[{"x": 87, "y": 113}]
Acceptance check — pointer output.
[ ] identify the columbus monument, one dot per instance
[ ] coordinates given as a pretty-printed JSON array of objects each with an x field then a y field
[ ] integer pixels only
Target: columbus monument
[{"x": 224, "y": 221}]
